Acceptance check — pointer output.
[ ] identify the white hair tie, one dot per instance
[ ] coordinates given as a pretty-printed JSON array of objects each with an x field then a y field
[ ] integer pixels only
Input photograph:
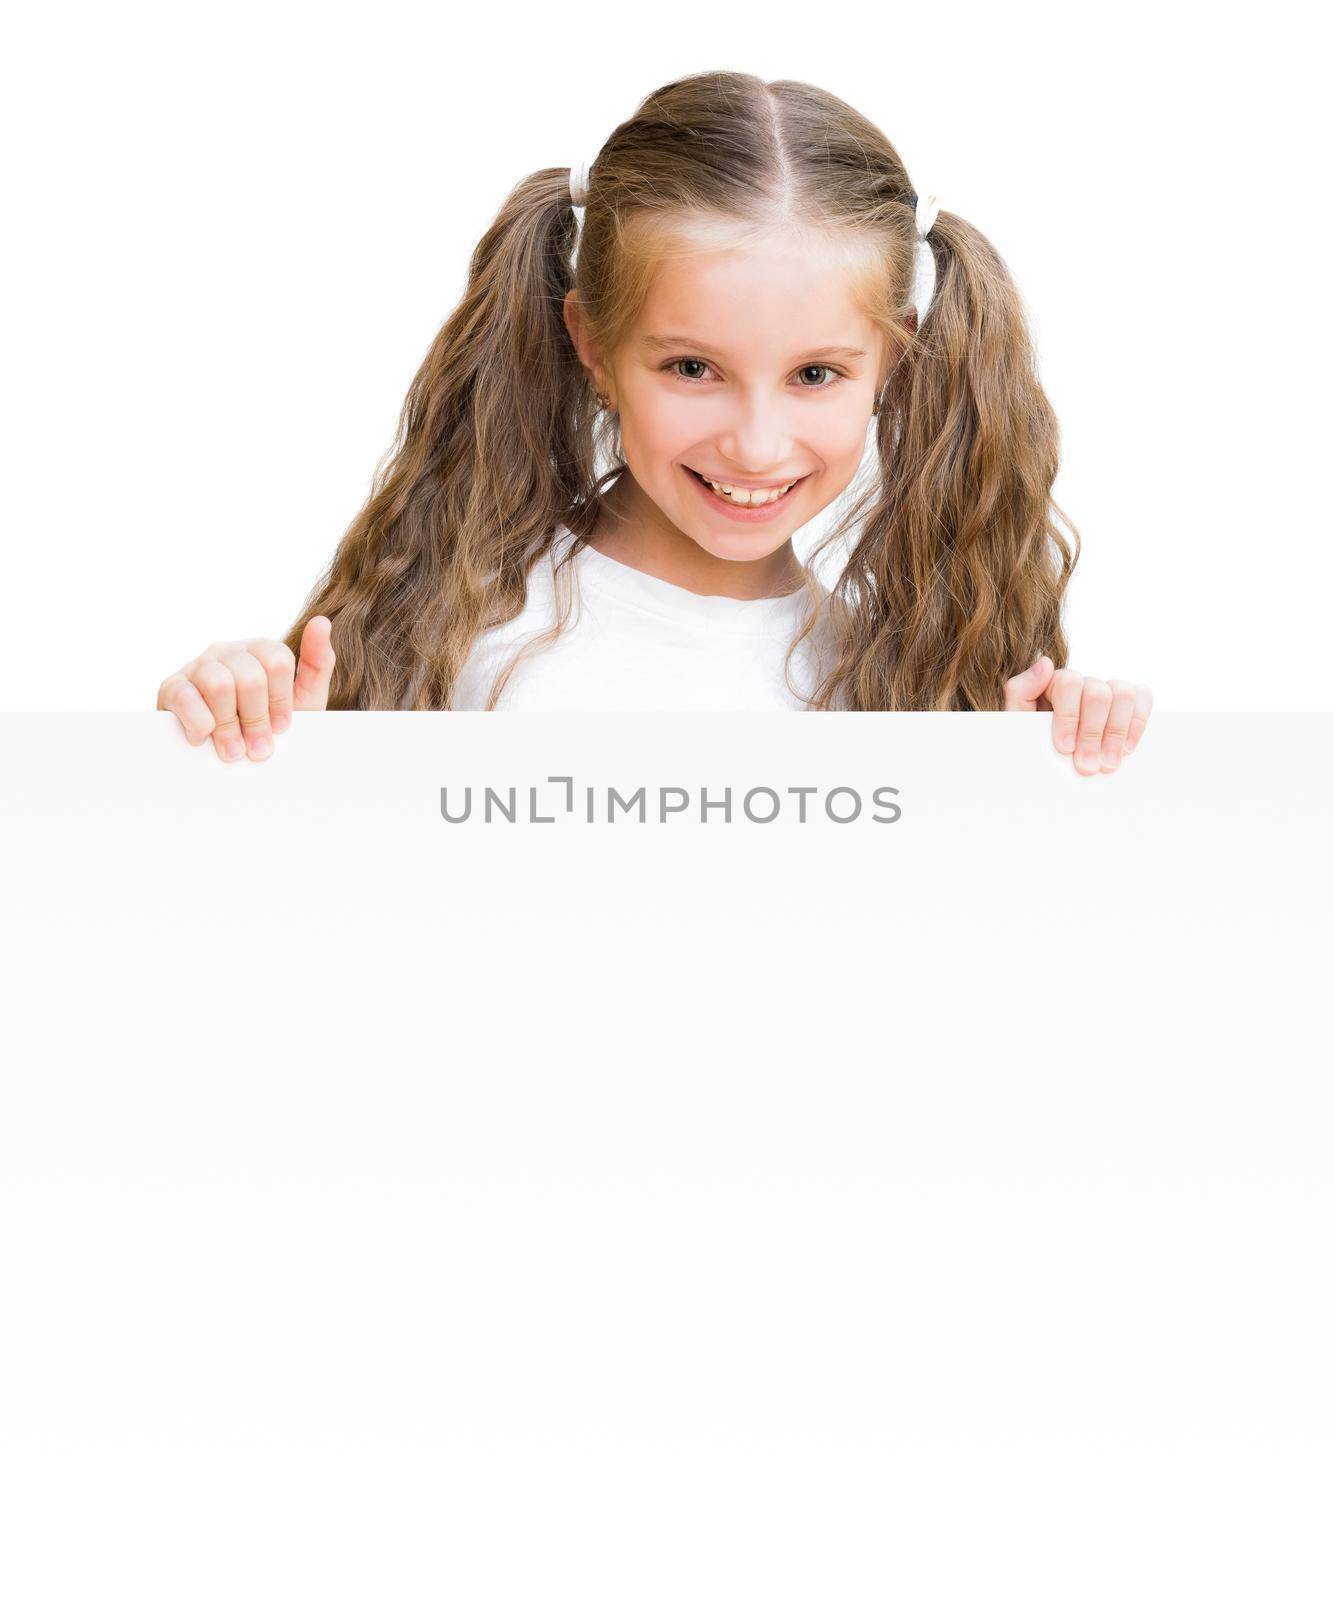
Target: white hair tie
[
  {"x": 578, "y": 184},
  {"x": 923, "y": 275}
]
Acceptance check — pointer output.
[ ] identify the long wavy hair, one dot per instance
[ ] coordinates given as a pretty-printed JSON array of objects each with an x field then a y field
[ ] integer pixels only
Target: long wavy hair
[{"x": 955, "y": 567}]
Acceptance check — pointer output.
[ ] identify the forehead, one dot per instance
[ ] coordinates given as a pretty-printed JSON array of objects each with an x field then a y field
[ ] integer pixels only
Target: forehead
[{"x": 786, "y": 291}]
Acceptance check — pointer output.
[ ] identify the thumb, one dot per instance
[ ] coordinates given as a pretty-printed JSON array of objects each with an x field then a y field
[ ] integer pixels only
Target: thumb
[
  {"x": 314, "y": 668},
  {"x": 1022, "y": 692}
]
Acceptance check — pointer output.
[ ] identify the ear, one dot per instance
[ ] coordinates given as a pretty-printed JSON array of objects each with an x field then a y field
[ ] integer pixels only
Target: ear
[{"x": 574, "y": 323}]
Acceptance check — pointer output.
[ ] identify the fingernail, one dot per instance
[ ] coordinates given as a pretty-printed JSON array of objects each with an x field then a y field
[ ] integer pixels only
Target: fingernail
[
  {"x": 1110, "y": 760},
  {"x": 1088, "y": 760},
  {"x": 281, "y": 721},
  {"x": 1066, "y": 742},
  {"x": 262, "y": 747},
  {"x": 233, "y": 749}
]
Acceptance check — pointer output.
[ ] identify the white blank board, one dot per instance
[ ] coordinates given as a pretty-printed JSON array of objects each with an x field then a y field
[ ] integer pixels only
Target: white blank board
[{"x": 407, "y": 1207}]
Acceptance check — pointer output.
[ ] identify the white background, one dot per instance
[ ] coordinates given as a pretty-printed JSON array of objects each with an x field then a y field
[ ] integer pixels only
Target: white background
[
  {"x": 234, "y": 231},
  {"x": 938, "y": 1208}
]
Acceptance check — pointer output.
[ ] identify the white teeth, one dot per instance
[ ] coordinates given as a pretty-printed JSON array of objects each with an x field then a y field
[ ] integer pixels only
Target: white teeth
[{"x": 748, "y": 497}]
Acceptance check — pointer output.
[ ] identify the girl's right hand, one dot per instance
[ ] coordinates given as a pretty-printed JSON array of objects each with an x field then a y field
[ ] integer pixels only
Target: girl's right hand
[{"x": 240, "y": 694}]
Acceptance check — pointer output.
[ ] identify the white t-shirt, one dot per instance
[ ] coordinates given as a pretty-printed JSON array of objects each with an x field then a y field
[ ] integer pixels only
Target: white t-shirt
[{"x": 638, "y": 643}]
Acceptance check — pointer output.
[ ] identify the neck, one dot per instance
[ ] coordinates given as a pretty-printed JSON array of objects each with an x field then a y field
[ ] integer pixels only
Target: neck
[{"x": 630, "y": 528}]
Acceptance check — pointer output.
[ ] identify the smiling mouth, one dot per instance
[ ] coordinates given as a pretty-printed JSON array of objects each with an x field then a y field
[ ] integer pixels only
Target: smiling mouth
[{"x": 707, "y": 483}]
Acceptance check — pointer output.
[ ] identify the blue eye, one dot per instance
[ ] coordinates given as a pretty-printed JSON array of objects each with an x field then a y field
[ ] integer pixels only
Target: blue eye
[{"x": 835, "y": 376}]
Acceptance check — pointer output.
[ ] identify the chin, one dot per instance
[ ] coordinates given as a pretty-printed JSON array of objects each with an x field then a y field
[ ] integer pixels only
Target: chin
[{"x": 743, "y": 545}]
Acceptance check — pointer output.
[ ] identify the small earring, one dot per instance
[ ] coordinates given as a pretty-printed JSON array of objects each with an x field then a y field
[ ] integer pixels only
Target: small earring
[{"x": 602, "y": 400}]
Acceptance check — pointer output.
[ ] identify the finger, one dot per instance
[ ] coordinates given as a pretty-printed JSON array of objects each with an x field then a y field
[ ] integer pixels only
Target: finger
[
  {"x": 1139, "y": 721},
  {"x": 279, "y": 663},
  {"x": 314, "y": 670},
  {"x": 218, "y": 649},
  {"x": 1022, "y": 691},
  {"x": 251, "y": 702},
  {"x": 1095, "y": 708},
  {"x": 179, "y": 695},
  {"x": 1065, "y": 693},
  {"x": 1117, "y": 723},
  {"x": 218, "y": 689}
]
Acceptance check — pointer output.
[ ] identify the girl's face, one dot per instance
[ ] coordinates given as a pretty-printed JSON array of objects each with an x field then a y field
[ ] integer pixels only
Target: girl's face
[{"x": 750, "y": 366}]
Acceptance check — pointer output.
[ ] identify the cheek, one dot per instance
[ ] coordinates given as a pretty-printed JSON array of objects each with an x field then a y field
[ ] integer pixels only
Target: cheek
[
  {"x": 659, "y": 431},
  {"x": 839, "y": 437}
]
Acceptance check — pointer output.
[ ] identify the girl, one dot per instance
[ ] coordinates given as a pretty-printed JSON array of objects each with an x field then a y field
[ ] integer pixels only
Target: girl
[{"x": 754, "y": 285}]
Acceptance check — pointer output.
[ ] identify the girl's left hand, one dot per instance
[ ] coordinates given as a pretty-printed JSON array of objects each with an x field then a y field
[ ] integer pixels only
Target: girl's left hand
[{"x": 1096, "y": 722}]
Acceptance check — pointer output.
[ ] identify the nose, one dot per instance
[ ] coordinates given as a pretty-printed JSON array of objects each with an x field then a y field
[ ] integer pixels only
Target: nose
[{"x": 756, "y": 439}]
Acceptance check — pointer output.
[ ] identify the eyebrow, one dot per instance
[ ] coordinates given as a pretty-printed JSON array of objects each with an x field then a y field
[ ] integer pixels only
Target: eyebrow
[{"x": 671, "y": 341}]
